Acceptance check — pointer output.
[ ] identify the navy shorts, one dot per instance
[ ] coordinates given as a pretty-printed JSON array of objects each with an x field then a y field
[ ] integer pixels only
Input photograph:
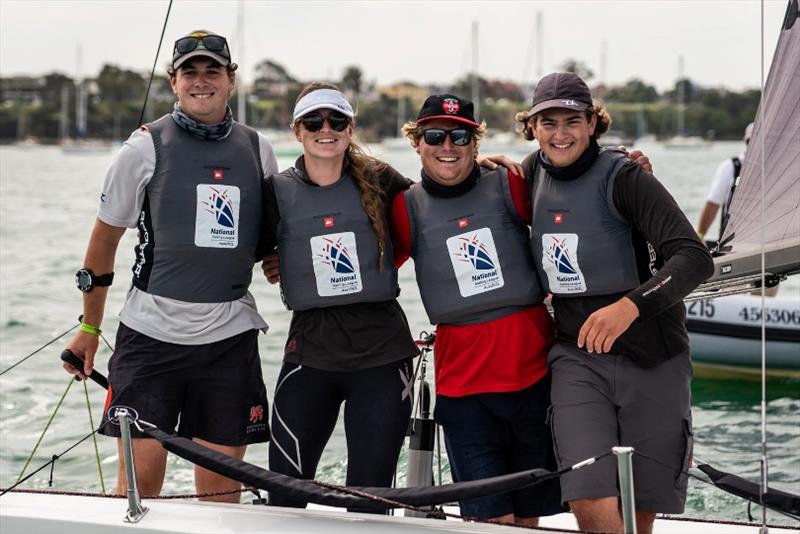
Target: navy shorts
[
  {"x": 215, "y": 390},
  {"x": 491, "y": 434}
]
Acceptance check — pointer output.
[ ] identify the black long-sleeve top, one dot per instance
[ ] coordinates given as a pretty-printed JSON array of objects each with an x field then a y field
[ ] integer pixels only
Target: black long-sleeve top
[
  {"x": 671, "y": 261},
  {"x": 353, "y": 336}
]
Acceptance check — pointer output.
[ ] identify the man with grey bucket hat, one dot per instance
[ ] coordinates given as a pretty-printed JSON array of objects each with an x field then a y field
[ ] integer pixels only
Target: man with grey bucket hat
[{"x": 618, "y": 256}]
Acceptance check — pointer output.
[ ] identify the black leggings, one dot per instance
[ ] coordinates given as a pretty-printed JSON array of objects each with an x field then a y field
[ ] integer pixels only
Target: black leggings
[{"x": 306, "y": 407}]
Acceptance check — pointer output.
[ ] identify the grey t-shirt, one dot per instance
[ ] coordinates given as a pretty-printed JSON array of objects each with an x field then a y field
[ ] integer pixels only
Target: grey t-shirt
[{"x": 165, "y": 319}]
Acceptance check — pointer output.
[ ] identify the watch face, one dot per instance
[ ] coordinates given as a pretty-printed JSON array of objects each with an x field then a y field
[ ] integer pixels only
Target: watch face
[{"x": 83, "y": 280}]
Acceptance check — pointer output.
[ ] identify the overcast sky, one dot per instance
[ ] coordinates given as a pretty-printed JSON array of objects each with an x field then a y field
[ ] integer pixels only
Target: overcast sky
[{"x": 720, "y": 40}]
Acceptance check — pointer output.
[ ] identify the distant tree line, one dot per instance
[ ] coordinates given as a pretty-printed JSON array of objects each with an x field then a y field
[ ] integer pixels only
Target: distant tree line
[{"x": 115, "y": 96}]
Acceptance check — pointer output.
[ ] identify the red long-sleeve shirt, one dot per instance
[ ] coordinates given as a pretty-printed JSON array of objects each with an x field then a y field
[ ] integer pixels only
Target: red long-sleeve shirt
[{"x": 502, "y": 355}]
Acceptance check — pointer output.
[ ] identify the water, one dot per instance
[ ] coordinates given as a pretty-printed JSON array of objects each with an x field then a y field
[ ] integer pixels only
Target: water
[{"x": 48, "y": 202}]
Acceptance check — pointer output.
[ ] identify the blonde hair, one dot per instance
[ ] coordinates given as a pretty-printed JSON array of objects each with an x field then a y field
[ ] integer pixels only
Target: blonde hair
[
  {"x": 525, "y": 128},
  {"x": 413, "y": 131},
  {"x": 365, "y": 171}
]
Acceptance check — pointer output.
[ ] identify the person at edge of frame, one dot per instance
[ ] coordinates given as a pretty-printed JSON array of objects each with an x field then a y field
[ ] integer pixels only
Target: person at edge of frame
[
  {"x": 618, "y": 255},
  {"x": 721, "y": 191},
  {"x": 186, "y": 348},
  {"x": 467, "y": 230}
]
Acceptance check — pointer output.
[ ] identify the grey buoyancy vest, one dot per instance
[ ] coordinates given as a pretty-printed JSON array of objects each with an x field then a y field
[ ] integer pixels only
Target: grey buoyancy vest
[
  {"x": 471, "y": 252},
  {"x": 199, "y": 225},
  {"x": 581, "y": 244},
  {"x": 328, "y": 249}
]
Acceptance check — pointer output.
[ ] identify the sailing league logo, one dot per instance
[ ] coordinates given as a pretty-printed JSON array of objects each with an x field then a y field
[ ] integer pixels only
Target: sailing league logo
[
  {"x": 216, "y": 224},
  {"x": 560, "y": 263},
  {"x": 475, "y": 262},
  {"x": 336, "y": 267}
]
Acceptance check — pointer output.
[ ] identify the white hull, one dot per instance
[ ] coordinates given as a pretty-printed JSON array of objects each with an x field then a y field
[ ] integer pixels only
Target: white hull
[
  {"x": 725, "y": 336},
  {"x": 30, "y": 513}
]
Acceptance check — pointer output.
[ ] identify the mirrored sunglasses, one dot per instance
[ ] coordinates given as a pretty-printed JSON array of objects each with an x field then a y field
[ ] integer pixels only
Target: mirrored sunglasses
[{"x": 437, "y": 136}]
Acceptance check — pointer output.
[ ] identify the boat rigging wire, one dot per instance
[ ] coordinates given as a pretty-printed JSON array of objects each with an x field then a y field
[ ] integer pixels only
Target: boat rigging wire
[
  {"x": 80, "y": 319},
  {"x": 54, "y": 458},
  {"x": 155, "y": 62},
  {"x": 42, "y": 347}
]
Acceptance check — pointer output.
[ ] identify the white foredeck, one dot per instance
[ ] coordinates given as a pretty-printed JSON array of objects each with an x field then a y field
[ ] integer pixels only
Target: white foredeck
[{"x": 65, "y": 514}]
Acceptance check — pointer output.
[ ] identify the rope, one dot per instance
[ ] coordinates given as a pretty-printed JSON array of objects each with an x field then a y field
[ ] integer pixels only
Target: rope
[
  {"x": 41, "y": 437},
  {"x": 55, "y": 456},
  {"x": 40, "y": 348},
  {"x": 155, "y": 61},
  {"x": 708, "y": 482},
  {"x": 94, "y": 438}
]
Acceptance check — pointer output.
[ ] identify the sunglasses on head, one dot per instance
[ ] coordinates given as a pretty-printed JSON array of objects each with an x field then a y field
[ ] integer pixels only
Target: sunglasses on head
[
  {"x": 313, "y": 121},
  {"x": 212, "y": 43},
  {"x": 458, "y": 136}
]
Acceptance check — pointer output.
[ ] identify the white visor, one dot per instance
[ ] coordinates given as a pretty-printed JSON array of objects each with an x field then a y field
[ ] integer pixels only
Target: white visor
[{"x": 322, "y": 99}]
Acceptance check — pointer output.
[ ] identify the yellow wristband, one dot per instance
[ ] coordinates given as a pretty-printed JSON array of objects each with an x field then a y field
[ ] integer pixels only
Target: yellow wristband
[
  {"x": 89, "y": 329},
  {"x": 701, "y": 235}
]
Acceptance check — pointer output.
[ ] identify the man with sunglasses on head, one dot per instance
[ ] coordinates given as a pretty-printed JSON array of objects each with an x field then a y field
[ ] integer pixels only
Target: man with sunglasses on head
[
  {"x": 186, "y": 348},
  {"x": 467, "y": 229}
]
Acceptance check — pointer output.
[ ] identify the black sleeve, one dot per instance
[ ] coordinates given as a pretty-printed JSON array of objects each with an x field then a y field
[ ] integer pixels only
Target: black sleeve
[
  {"x": 392, "y": 182},
  {"x": 641, "y": 199},
  {"x": 268, "y": 235}
]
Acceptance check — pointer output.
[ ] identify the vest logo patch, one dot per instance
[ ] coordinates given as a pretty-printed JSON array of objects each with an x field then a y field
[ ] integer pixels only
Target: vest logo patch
[
  {"x": 217, "y": 216},
  {"x": 336, "y": 267},
  {"x": 560, "y": 263},
  {"x": 475, "y": 262}
]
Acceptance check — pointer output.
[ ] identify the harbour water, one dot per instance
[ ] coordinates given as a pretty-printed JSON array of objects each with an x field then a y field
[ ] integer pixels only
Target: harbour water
[{"x": 48, "y": 202}]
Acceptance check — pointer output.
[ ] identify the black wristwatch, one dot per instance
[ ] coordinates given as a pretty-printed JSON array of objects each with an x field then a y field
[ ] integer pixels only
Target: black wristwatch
[{"x": 86, "y": 280}]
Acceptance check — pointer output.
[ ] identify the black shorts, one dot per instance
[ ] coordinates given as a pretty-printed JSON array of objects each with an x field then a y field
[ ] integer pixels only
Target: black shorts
[{"x": 215, "y": 390}]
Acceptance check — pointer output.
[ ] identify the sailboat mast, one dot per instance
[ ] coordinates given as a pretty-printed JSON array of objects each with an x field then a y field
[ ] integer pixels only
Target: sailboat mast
[
  {"x": 63, "y": 123},
  {"x": 475, "y": 82},
  {"x": 241, "y": 104},
  {"x": 681, "y": 96},
  {"x": 80, "y": 97}
]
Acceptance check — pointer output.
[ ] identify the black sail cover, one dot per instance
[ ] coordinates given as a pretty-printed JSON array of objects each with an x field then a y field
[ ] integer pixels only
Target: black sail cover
[
  {"x": 305, "y": 490},
  {"x": 775, "y": 145}
]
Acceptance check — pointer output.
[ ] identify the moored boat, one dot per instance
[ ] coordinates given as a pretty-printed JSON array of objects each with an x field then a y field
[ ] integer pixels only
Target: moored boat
[{"x": 725, "y": 335}]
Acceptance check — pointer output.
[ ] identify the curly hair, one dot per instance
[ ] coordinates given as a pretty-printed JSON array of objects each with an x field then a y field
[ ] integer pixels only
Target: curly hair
[
  {"x": 413, "y": 131},
  {"x": 527, "y": 121},
  {"x": 366, "y": 171}
]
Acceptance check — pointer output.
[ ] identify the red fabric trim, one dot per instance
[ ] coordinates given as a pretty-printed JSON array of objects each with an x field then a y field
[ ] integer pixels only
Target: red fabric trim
[
  {"x": 451, "y": 117},
  {"x": 521, "y": 196},
  {"x": 400, "y": 228},
  {"x": 504, "y": 355},
  {"x": 108, "y": 400}
]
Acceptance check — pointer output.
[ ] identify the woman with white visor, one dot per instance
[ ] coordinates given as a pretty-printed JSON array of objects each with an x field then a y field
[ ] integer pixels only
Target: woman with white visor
[{"x": 348, "y": 340}]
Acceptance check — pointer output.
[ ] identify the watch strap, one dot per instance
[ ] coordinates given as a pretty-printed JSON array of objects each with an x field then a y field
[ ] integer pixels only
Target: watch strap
[{"x": 102, "y": 280}]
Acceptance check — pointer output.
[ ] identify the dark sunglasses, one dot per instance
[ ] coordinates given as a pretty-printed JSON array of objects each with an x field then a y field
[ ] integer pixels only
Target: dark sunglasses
[
  {"x": 458, "y": 136},
  {"x": 212, "y": 43},
  {"x": 313, "y": 121}
]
